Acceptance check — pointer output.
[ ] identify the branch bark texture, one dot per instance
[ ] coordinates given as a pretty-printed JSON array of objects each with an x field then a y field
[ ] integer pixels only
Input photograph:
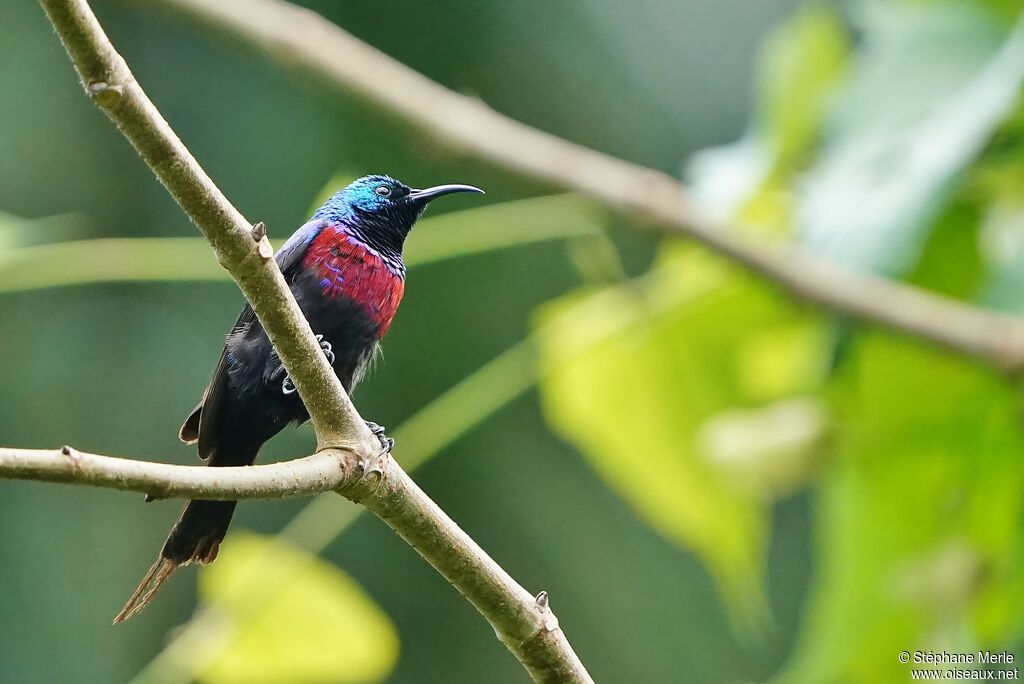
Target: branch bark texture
[
  {"x": 322, "y": 472},
  {"x": 301, "y": 39},
  {"x": 524, "y": 623}
]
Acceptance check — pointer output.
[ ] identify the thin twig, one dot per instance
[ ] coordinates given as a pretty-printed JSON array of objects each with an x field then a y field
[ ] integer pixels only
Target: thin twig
[
  {"x": 523, "y": 623},
  {"x": 301, "y": 39}
]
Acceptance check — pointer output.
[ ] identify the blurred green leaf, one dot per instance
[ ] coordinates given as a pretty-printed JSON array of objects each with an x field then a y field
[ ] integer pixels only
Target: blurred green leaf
[
  {"x": 1000, "y": 172},
  {"x": 722, "y": 179},
  {"x": 928, "y": 89},
  {"x": 767, "y": 452},
  {"x": 951, "y": 262},
  {"x": 799, "y": 64},
  {"x": 633, "y": 375},
  {"x": 1007, "y": 10},
  {"x": 292, "y": 617},
  {"x": 1003, "y": 245},
  {"x": 9, "y": 229},
  {"x": 920, "y": 543},
  {"x": 108, "y": 260},
  {"x": 998, "y": 186},
  {"x": 16, "y": 231}
]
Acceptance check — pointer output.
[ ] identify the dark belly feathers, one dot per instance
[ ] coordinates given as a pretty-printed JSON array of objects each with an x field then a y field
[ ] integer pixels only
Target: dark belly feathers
[{"x": 255, "y": 374}]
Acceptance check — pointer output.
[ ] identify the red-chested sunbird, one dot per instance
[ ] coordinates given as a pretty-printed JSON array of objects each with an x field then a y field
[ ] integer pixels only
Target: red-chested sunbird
[{"x": 345, "y": 268}]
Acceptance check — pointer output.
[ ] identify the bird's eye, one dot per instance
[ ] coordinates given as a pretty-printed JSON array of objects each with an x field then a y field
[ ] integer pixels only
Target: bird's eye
[{"x": 383, "y": 191}]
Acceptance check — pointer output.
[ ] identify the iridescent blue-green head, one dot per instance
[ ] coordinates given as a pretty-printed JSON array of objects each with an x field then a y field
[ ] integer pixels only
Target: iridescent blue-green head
[{"x": 381, "y": 210}]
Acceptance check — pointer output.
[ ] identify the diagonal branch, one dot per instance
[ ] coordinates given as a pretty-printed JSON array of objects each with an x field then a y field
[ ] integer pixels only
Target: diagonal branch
[
  {"x": 524, "y": 623},
  {"x": 301, "y": 39},
  {"x": 110, "y": 84}
]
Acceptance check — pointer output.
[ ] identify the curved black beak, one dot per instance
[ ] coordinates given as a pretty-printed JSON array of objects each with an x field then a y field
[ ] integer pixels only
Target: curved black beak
[{"x": 428, "y": 194}]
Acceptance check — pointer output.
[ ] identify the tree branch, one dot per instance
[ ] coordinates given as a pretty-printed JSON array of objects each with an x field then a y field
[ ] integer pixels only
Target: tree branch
[
  {"x": 301, "y": 39},
  {"x": 524, "y": 623},
  {"x": 322, "y": 472},
  {"x": 110, "y": 84}
]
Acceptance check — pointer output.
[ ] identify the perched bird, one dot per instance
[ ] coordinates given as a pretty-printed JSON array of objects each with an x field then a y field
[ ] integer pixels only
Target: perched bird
[{"x": 345, "y": 268}]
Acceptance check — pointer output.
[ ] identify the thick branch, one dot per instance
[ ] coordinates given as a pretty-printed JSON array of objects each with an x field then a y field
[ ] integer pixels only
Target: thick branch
[
  {"x": 523, "y": 623},
  {"x": 303, "y": 39}
]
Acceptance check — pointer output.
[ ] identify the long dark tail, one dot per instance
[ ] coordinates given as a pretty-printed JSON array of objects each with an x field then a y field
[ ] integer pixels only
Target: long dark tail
[
  {"x": 195, "y": 538},
  {"x": 197, "y": 535}
]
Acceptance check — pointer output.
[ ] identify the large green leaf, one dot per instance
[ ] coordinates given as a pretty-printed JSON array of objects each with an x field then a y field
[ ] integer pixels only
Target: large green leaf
[
  {"x": 287, "y": 616},
  {"x": 919, "y": 533},
  {"x": 647, "y": 381}
]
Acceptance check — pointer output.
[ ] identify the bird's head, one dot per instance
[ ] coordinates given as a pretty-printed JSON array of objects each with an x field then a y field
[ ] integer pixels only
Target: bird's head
[{"x": 381, "y": 210}]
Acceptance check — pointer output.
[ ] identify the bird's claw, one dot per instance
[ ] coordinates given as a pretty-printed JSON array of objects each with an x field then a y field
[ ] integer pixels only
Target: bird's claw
[
  {"x": 386, "y": 443},
  {"x": 328, "y": 349},
  {"x": 287, "y": 386}
]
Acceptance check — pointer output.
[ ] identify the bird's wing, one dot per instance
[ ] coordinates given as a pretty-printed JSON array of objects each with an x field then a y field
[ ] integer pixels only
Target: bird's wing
[
  {"x": 292, "y": 251},
  {"x": 204, "y": 421}
]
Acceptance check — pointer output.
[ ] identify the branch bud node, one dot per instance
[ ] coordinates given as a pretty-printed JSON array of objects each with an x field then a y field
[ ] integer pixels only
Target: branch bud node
[
  {"x": 548, "y": 620},
  {"x": 264, "y": 249},
  {"x": 72, "y": 456},
  {"x": 105, "y": 94}
]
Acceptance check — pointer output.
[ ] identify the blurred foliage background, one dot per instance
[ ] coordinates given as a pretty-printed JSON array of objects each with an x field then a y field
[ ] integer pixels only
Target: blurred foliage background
[{"x": 714, "y": 483}]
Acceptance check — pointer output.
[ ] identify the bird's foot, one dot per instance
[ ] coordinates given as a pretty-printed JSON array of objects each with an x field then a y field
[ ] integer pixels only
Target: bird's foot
[
  {"x": 328, "y": 349},
  {"x": 287, "y": 386},
  {"x": 386, "y": 443}
]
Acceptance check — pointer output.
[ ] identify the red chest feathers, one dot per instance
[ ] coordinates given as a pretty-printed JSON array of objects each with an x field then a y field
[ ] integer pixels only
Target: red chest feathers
[{"x": 346, "y": 268}]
